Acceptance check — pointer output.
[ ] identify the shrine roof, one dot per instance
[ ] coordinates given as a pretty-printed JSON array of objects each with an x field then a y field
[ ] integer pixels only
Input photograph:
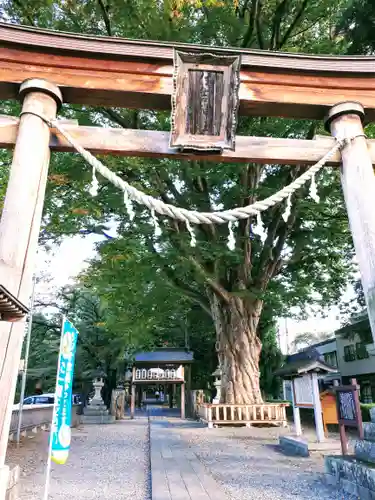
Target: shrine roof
[
  {"x": 307, "y": 361},
  {"x": 164, "y": 355},
  {"x": 304, "y": 366}
]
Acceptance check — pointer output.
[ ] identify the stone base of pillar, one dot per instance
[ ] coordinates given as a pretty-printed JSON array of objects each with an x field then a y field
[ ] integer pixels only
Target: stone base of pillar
[
  {"x": 13, "y": 484},
  {"x": 4, "y": 478},
  {"x": 9, "y": 482}
]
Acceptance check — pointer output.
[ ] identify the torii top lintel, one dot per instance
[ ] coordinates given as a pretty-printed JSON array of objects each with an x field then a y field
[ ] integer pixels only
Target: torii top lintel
[{"x": 138, "y": 74}]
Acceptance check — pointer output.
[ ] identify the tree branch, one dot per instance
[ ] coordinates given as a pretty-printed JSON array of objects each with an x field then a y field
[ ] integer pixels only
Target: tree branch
[
  {"x": 276, "y": 24},
  {"x": 241, "y": 11},
  {"x": 308, "y": 27},
  {"x": 105, "y": 12},
  {"x": 116, "y": 117},
  {"x": 131, "y": 122},
  {"x": 259, "y": 27},
  {"x": 252, "y": 22},
  {"x": 190, "y": 294},
  {"x": 161, "y": 177},
  {"x": 293, "y": 24},
  {"x": 211, "y": 282}
]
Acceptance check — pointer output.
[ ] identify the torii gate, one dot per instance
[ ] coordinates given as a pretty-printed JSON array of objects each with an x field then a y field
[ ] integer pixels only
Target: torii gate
[{"x": 44, "y": 68}]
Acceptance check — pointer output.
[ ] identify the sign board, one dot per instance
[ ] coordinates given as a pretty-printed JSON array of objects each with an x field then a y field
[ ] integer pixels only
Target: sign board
[
  {"x": 329, "y": 410},
  {"x": 303, "y": 391},
  {"x": 346, "y": 408},
  {"x": 205, "y": 101},
  {"x": 348, "y": 411}
]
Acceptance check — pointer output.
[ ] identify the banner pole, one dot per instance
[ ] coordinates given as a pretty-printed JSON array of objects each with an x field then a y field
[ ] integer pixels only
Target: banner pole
[
  {"x": 49, "y": 460},
  {"x": 24, "y": 371}
]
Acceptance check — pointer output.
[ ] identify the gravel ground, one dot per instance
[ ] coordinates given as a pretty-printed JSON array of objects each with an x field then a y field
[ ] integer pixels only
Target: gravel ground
[
  {"x": 249, "y": 467},
  {"x": 106, "y": 462}
]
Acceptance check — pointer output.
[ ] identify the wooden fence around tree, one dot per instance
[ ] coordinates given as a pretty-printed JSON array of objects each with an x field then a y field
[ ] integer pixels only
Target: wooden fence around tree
[{"x": 223, "y": 414}]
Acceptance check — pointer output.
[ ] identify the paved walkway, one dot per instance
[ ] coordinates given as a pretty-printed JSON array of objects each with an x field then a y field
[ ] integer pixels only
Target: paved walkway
[{"x": 176, "y": 472}]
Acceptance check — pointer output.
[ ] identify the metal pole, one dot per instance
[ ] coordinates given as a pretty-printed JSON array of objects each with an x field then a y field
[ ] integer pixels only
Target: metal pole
[{"x": 24, "y": 372}]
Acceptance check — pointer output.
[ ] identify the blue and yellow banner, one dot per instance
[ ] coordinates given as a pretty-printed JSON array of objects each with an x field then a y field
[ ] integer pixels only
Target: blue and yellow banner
[{"x": 62, "y": 414}]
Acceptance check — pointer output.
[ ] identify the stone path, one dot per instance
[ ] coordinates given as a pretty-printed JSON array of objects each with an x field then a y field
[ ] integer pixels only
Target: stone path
[{"x": 176, "y": 472}]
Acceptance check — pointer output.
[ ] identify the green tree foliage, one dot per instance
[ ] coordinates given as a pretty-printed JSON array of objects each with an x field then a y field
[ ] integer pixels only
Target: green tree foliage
[
  {"x": 357, "y": 23},
  {"x": 100, "y": 345},
  {"x": 44, "y": 348},
  {"x": 306, "y": 259}
]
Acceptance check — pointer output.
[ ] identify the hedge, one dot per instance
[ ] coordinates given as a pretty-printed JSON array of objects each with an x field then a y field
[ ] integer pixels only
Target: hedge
[{"x": 365, "y": 409}]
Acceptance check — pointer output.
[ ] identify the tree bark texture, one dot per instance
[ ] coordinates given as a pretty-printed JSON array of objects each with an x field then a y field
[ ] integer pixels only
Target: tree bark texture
[{"x": 239, "y": 349}]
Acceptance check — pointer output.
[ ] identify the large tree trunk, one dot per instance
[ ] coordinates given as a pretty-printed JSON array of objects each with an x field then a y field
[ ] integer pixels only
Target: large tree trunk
[{"x": 239, "y": 349}]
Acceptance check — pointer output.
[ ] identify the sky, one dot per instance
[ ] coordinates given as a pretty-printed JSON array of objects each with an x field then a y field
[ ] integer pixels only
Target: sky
[
  {"x": 63, "y": 264},
  {"x": 71, "y": 257}
]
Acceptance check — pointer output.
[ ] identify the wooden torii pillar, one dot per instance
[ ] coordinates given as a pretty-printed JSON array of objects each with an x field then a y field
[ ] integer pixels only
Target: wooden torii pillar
[
  {"x": 19, "y": 232},
  {"x": 358, "y": 183}
]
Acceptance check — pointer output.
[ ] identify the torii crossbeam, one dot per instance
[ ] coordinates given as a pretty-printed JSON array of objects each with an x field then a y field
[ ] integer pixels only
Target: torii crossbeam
[{"x": 44, "y": 68}]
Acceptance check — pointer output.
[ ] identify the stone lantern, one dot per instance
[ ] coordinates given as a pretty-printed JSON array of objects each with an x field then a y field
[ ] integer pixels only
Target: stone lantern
[
  {"x": 128, "y": 381},
  {"x": 98, "y": 383},
  {"x": 96, "y": 412},
  {"x": 217, "y": 384}
]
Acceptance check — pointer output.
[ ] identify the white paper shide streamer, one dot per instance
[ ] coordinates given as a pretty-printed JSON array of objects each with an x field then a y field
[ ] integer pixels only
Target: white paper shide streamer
[
  {"x": 231, "y": 243},
  {"x": 260, "y": 225},
  {"x": 261, "y": 229},
  {"x": 94, "y": 186},
  {"x": 157, "y": 228},
  {"x": 288, "y": 208},
  {"x": 193, "y": 238},
  {"x": 129, "y": 206},
  {"x": 313, "y": 191}
]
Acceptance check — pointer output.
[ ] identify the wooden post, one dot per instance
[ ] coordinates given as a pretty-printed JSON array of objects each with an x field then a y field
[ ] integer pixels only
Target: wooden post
[
  {"x": 343, "y": 439},
  {"x": 183, "y": 392},
  {"x": 209, "y": 417},
  {"x": 132, "y": 402},
  {"x": 357, "y": 404},
  {"x": 317, "y": 409},
  {"x": 190, "y": 405},
  {"x": 296, "y": 414},
  {"x": 170, "y": 396},
  {"x": 174, "y": 387},
  {"x": 140, "y": 392},
  {"x": 19, "y": 229},
  {"x": 183, "y": 400},
  {"x": 358, "y": 183},
  {"x": 165, "y": 394}
]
